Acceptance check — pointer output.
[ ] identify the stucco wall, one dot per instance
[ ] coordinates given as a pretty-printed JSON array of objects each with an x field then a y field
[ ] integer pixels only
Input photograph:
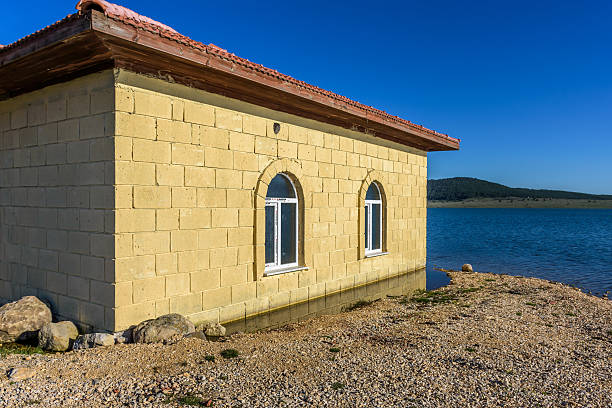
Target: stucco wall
[
  {"x": 191, "y": 175},
  {"x": 56, "y": 198}
]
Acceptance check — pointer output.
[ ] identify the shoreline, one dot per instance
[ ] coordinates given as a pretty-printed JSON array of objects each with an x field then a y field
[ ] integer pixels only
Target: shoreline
[
  {"x": 588, "y": 292},
  {"x": 523, "y": 203},
  {"x": 483, "y": 340}
]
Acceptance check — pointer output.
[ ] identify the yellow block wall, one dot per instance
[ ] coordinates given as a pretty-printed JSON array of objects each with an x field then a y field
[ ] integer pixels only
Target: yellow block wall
[
  {"x": 56, "y": 199},
  {"x": 123, "y": 198},
  {"x": 187, "y": 165}
]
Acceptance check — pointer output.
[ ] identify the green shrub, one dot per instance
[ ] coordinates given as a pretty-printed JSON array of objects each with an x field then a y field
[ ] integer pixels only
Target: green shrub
[
  {"x": 14, "y": 348},
  {"x": 337, "y": 386},
  {"x": 357, "y": 305},
  {"x": 430, "y": 297},
  {"x": 468, "y": 290},
  {"x": 193, "y": 401},
  {"x": 229, "y": 353}
]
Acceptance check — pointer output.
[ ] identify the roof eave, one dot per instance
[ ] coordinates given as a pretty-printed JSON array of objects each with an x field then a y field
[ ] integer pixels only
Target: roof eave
[
  {"x": 60, "y": 52},
  {"x": 92, "y": 41}
]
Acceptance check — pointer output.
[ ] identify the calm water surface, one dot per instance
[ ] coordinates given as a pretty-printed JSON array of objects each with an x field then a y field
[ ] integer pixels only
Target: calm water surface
[{"x": 570, "y": 246}]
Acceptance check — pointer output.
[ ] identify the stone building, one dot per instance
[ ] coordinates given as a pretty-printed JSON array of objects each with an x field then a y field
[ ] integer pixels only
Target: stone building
[{"x": 144, "y": 173}]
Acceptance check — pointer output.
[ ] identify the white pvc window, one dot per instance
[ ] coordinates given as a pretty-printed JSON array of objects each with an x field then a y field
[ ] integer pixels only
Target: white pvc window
[
  {"x": 281, "y": 224},
  {"x": 373, "y": 221}
]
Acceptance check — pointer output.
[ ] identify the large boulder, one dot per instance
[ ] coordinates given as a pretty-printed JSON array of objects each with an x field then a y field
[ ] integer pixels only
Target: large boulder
[
  {"x": 467, "y": 268},
  {"x": 92, "y": 340},
  {"x": 57, "y": 336},
  {"x": 22, "y": 319},
  {"x": 164, "y": 329}
]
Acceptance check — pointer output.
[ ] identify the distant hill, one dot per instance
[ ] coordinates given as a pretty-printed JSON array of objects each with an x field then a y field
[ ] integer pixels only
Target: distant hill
[{"x": 463, "y": 188}]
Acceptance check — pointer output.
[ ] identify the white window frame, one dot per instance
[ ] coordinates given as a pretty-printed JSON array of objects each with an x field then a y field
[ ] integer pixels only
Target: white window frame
[
  {"x": 276, "y": 203},
  {"x": 368, "y": 207}
]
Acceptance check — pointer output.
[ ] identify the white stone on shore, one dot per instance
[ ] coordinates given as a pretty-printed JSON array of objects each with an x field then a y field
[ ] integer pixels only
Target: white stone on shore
[{"x": 20, "y": 373}]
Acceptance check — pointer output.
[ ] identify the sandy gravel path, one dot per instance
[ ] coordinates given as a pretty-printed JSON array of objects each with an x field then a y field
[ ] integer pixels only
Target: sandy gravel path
[{"x": 486, "y": 340}]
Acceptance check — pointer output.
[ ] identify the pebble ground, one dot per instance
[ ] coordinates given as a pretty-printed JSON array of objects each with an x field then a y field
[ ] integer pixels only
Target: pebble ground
[{"x": 484, "y": 341}]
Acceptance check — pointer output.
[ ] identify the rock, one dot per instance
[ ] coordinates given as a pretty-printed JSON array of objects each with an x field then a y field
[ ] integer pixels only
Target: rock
[
  {"x": 196, "y": 335},
  {"x": 467, "y": 268},
  {"x": 20, "y": 373},
  {"x": 214, "y": 330},
  {"x": 22, "y": 319},
  {"x": 164, "y": 329},
  {"x": 57, "y": 336},
  {"x": 125, "y": 336},
  {"x": 92, "y": 340}
]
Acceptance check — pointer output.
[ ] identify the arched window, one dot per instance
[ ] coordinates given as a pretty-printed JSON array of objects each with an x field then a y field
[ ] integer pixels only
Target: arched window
[
  {"x": 281, "y": 224},
  {"x": 373, "y": 220}
]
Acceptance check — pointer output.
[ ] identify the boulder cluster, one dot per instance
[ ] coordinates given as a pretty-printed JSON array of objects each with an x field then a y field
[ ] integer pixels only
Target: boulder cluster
[{"x": 30, "y": 320}]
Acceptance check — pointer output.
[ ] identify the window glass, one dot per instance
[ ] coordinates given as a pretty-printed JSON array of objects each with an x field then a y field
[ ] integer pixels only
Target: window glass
[
  {"x": 280, "y": 187},
  {"x": 270, "y": 234},
  {"x": 373, "y": 193},
  {"x": 367, "y": 221},
  {"x": 281, "y": 224},
  {"x": 288, "y": 223},
  {"x": 376, "y": 226}
]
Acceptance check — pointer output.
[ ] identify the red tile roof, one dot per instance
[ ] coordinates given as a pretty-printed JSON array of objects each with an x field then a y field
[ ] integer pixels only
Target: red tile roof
[
  {"x": 127, "y": 16},
  {"x": 38, "y": 33},
  {"x": 123, "y": 14}
]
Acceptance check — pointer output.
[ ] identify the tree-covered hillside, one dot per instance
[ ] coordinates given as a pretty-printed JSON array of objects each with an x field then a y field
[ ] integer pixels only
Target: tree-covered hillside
[{"x": 462, "y": 188}]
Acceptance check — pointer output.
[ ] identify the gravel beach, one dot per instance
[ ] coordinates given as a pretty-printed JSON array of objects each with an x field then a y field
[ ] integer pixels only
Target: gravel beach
[{"x": 485, "y": 340}]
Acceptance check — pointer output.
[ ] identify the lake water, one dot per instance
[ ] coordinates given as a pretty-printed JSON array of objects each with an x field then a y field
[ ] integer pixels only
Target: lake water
[{"x": 564, "y": 245}]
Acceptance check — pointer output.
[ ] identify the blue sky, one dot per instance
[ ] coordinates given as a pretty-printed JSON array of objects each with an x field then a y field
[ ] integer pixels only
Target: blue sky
[{"x": 526, "y": 85}]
